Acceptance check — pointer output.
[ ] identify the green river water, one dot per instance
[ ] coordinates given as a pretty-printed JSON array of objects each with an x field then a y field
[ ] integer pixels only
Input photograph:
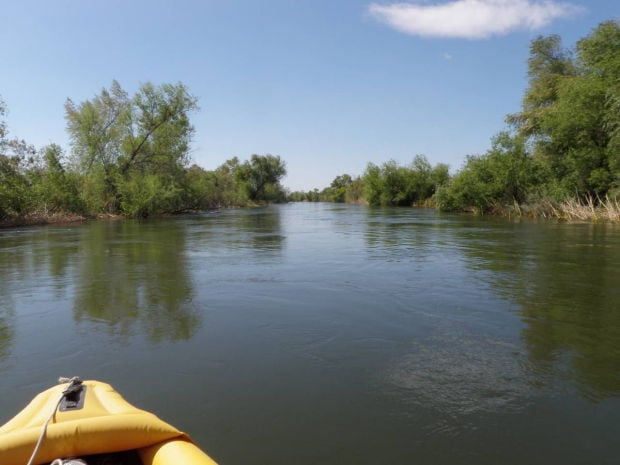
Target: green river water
[{"x": 330, "y": 334}]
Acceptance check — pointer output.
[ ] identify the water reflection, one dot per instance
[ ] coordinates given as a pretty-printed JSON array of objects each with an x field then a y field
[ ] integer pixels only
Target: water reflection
[
  {"x": 393, "y": 234},
  {"x": 7, "y": 310},
  {"x": 257, "y": 231},
  {"x": 572, "y": 308},
  {"x": 47, "y": 251},
  {"x": 136, "y": 273},
  {"x": 560, "y": 279},
  {"x": 6, "y": 335},
  {"x": 564, "y": 278},
  {"x": 32, "y": 261},
  {"x": 261, "y": 230}
]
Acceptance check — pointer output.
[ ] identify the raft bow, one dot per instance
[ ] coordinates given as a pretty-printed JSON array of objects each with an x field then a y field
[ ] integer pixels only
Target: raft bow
[{"x": 81, "y": 418}]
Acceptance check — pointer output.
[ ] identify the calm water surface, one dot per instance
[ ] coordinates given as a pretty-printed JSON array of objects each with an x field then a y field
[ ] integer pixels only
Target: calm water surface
[{"x": 327, "y": 334}]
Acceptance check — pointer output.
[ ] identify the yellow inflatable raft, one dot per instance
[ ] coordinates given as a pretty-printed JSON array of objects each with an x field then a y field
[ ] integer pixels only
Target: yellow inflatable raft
[{"x": 87, "y": 419}]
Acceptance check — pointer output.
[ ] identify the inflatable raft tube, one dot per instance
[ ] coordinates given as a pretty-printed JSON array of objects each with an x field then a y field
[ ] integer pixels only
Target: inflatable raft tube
[{"x": 90, "y": 418}]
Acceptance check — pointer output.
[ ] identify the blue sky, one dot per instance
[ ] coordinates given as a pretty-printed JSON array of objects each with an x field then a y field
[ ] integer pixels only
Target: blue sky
[{"x": 327, "y": 85}]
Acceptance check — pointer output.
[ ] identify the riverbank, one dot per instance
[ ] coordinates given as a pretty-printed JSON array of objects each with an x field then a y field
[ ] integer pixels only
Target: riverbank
[
  {"x": 573, "y": 210},
  {"x": 40, "y": 219},
  {"x": 606, "y": 211},
  {"x": 589, "y": 210}
]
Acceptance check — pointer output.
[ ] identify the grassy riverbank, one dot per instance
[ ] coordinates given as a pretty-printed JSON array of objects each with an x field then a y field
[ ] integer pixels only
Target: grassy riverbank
[
  {"x": 42, "y": 219},
  {"x": 129, "y": 157},
  {"x": 558, "y": 157},
  {"x": 606, "y": 210}
]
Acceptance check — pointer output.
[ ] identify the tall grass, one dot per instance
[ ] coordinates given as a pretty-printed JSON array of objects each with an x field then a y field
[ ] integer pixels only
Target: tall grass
[
  {"x": 588, "y": 209},
  {"x": 603, "y": 210}
]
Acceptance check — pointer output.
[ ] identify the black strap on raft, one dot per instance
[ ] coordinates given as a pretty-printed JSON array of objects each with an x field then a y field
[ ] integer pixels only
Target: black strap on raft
[{"x": 73, "y": 396}]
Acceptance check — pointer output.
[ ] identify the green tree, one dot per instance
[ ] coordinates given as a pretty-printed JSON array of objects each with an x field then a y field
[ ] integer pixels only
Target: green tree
[
  {"x": 198, "y": 188},
  {"x": 128, "y": 147},
  {"x": 337, "y": 190},
  {"x": 159, "y": 136},
  {"x": 296, "y": 196},
  {"x": 373, "y": 185},
  {"x": 261, "y": 177},
  {"x": 229, "y": 184},
  {"x": 576, "y": 150},
  {"x": 313, "y": 196},
  {"x": 4, "y": 164},
  {"x": 355, "y": 191},
  {"x": 98, "y": 128},
  {"x": 440, "y": 176},
  {"x": 17, "y": 198},
  {"x": 424, "y": 179},
  {"x": 570, "y": 114},
  {"x": 502, "y": 176},
  {"x": 14, "y": 188},
  {"x": 549, "y": 64},
  {"x": 599, "y": 58},
  {"x": 3, "y": 130},
  {"x": 598, "y": 52},
  {"x": 59, "y": 188},
  {"x": 396, "y": 185}
]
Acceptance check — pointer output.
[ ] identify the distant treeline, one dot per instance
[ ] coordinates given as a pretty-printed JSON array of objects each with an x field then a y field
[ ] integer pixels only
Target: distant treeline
[
  {"x": 562, "y": 149},
  {"x": 388, "y": 184},
  {"x": 129, "y": 156}
]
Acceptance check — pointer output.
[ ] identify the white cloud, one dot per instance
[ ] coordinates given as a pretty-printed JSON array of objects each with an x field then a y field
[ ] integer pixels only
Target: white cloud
[{"x": 471, "y": 19}]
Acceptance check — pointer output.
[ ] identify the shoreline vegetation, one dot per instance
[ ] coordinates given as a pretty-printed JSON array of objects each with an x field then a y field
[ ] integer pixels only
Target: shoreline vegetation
[
  {"x": 572, "y": 210},
  {"x": 129, "y": 157},
  {"x": 558, "y": 158}
]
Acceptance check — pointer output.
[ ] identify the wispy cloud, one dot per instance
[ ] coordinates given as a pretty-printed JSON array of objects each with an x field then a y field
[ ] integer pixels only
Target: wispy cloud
[{"x": 471, "y": 19}]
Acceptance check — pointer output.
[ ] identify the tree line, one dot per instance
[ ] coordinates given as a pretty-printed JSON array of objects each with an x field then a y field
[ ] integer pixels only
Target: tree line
[
  {"x": 129, "y": 156},
  {"x": 389, "y": 184},
  {"x": 563, "y": 145}
]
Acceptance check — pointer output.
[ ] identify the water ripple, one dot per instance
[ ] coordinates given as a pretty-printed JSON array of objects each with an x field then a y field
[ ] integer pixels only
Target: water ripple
[{"x": 461, "y": 374}]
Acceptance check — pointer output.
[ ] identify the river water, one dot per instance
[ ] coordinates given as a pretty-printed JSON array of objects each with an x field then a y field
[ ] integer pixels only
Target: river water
[{"x": 330, "y": 334}]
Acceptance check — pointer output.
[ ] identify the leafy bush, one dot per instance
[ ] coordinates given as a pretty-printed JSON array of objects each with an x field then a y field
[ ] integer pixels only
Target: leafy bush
[
  {"x": 396, "y": 185},
  {"x": 504, "y": 175}
]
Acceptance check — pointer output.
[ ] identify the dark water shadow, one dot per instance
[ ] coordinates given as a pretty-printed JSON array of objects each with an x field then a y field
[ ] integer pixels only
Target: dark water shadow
[
  {"x": 563, "y": 279},
  {"x": 134, "y": 277}
]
